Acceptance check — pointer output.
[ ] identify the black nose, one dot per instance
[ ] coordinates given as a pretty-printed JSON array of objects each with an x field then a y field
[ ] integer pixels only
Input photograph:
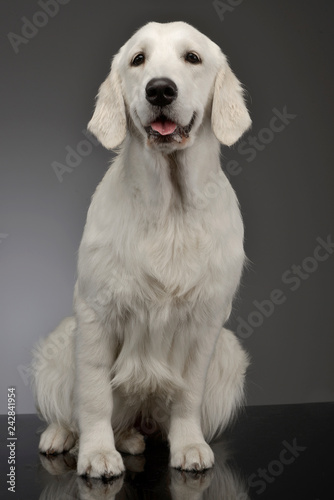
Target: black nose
[{"x": 161, "y": 91}]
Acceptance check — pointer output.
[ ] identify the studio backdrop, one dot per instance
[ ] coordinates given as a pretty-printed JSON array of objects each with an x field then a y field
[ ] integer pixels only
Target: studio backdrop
[{"x": 55, "y": 53}]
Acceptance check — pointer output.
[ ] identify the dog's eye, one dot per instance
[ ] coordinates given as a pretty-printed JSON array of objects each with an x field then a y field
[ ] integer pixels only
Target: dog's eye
[
  {"x": 138, "y": 60},
  {"x": 193, "y": 58}
]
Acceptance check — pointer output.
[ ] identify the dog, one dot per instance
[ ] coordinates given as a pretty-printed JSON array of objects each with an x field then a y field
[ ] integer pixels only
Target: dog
[{"x": 159, "y": 263}]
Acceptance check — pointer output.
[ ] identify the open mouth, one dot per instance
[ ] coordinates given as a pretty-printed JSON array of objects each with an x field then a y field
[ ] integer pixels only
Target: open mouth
[{"x": 165, "y": 130}]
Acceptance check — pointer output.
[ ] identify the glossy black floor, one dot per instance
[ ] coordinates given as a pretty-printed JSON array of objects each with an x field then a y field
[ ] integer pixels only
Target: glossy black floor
[{"x": 271, "y": 452}]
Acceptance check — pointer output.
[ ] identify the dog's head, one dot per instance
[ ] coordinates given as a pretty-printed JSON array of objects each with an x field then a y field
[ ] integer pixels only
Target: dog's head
[{"x": 163, "y": 83}]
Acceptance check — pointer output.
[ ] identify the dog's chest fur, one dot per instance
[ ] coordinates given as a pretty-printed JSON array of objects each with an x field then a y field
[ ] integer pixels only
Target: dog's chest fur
[
  {"x": 158, "y": 277},
  {"x": 136, "y": 255},
  {"x": 174, "y": 256}
]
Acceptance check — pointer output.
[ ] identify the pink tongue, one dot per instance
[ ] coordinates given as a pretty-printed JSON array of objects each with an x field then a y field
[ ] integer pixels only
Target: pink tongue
[{"x": 164, "y": 127}]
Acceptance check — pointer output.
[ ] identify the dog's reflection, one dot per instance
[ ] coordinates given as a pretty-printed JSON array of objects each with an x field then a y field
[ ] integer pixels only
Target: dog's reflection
[{"x": 146, "y": 477}]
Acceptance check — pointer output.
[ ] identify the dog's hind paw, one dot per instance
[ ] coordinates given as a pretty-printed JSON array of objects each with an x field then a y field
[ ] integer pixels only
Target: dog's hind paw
[{"x": 56, "y": 439}]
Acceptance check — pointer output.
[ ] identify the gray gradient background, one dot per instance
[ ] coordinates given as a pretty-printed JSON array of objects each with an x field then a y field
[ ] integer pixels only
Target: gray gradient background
[{"x": 281, "y": 51}]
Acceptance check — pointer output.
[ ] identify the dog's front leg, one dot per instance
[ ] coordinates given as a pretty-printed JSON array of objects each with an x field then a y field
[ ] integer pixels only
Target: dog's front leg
[
  {"x": 94, "y": 401},
  {"x": 188, "y": 449}
]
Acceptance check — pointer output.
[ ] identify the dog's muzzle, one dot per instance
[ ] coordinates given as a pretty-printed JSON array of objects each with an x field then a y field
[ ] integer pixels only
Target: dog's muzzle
[{"x": 161, "y": 93}]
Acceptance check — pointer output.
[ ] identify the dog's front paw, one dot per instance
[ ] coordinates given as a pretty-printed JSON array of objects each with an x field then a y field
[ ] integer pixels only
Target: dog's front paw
[
  {"x": 192, "y": 457},
  {"x": 100, "y": 463}
]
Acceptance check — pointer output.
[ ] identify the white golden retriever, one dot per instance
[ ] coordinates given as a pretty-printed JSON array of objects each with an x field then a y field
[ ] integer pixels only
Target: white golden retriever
[{"x": 159, "y": 263}]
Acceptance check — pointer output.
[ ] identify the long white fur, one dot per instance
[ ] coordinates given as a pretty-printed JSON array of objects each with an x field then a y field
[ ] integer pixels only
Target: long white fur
[{"x": 159, "y": 263}]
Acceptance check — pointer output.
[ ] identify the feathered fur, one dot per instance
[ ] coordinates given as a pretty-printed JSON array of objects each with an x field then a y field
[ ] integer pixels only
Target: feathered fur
[{"x": 159, "y": 263}]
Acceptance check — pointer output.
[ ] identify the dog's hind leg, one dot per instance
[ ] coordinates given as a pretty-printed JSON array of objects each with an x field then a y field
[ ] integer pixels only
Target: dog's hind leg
[
  {"x": 224, "y": 389},
  {"x": 53, "y": 379}
]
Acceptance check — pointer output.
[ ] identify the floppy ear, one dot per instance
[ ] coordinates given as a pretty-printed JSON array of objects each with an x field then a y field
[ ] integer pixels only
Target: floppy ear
[
  {"x": 108, "y": 123},
  {"x": 229, "y": 118}
]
